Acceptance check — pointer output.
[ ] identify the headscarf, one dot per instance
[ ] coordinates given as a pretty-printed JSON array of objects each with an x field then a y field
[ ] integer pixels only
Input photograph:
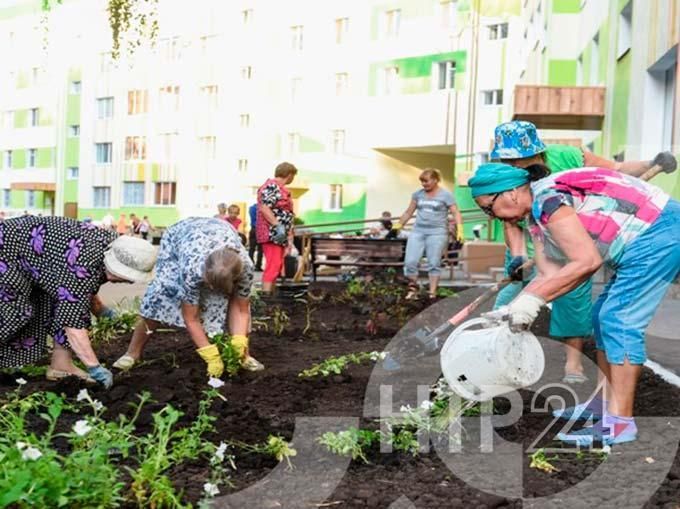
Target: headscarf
[{"x": 495, "y": 178}]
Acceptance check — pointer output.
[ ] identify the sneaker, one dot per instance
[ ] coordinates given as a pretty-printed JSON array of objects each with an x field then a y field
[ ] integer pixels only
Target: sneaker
[
  {"x": 588, "y": 410},
  {"x": 251, "y": 364},
  {"x": 611, "y": 430}
]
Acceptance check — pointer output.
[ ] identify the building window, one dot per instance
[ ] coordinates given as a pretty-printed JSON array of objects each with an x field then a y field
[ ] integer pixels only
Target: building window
[
  {"x": 32, "y": 157},
  {"x": 293, "y": 143},
  {"x": 334, "y": 200},
  {"x": 168, "y": 98},
  {"x": 30, "y": 199},
  {"x": 8, "y": 119},
  {"x": 448, "y": 14},
  {"x": 73, "y": 131},
  {"x": 295, "y": 89},
  {"x": 133, "y": 193},
  {"x": 164, "y": 193},
  {"x": 296, "y": 37},
  {"x": 168, "y": 143},
  {"x": 138, "y": 102},
  {"x": 207, "y": 43},
  {"x": 625, "y": 30},
  {"x": 492, "y": 97},
  {"x": 446, "y": 75},
  {"x": 244, "y": 120},
  {"x": 338, "y": 141},
  {"x": 105, "y": 61},
  {"x": 498, "y": 31},
  {"x": 209, "y": 93},
  {"x": 35, "y": 76},
  {"x": 75, "y": 87},
  {"x": 8, "y": 159},
  {"x": 341, "y": 30},
  {"x": 341, "y": 84},
  {"x": 246, "y": 72},
  {"x": 169, "y": 48},
  {"x": 104, "y": 108},
  {"x": 392, "y": 22},
  {"x": 6, "y": 198},
  {"x": 247, "y": 16},
  {"x": 103, "y": 153},
  {"x": 72, "y": 173},
  {"x": 135, "y": 148},
  {"x": 101, "y": 197},
  {"x": 390, "y": 80},
  {"x": 242, "y": 165},
  {"x": 208, "y": 147},
  {"x": 35, "y": 117}
]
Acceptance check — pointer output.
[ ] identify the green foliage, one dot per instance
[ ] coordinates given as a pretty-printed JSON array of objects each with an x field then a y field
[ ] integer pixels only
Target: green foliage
[
  {"x": 276, "y": 446},
  {"x": 29, "y": 370},
  {"x": 132, "y": 21},
  {"x": 280, "y": 320},
  {"x": 539, "y": 461},
  {"x": 83, "y": 471},
  {"x": 229, "y": 354},
  {"x": 336, "y": 365},
  {"x": 352, "y": 442},
  {"x": 405, "y": 440},
  {"x": 444, "y": 292},
  {"x": 105, "y": 329}
]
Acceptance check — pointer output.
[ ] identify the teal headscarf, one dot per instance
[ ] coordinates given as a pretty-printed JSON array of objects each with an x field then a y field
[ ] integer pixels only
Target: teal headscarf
[{"x": 495, "y": 178}]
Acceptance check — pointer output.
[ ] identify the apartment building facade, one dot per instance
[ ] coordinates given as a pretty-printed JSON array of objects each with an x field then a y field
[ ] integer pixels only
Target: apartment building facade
[{"x": 360, "y": 95}]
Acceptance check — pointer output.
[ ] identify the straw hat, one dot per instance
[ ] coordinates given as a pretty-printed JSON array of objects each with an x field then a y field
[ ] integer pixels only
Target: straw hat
[{"x": 130, "y": 258}]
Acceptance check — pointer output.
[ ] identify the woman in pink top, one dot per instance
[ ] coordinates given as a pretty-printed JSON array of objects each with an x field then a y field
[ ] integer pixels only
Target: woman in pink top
[
  {"x": 580, "y": 219},
  {"x": 274, "y": 222}
]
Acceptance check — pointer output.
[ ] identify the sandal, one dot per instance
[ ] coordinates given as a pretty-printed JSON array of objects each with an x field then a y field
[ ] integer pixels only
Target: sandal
[
  {"x": 54, "y": 375},
  {"x": 125, "y": 362},
  {"x": 413, "y": 292}
]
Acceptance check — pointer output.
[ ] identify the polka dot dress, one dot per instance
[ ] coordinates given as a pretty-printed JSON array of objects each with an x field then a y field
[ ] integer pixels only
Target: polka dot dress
[{"x": 49, "y": 269}]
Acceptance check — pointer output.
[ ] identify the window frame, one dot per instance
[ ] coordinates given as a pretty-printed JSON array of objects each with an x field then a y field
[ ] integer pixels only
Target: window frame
[
  {"x": 160, "y": 197},
  {"x": 109, "y": 152},
  {"x": 106, "y": 192},
  {"x": 137, "y": 186}
]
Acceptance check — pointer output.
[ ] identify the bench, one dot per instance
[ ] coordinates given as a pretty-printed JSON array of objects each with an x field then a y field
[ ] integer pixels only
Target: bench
[{"x": 368, "y": 252}]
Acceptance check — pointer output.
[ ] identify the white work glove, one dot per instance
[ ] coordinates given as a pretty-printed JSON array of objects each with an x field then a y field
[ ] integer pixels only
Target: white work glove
[{"x": 520, "y": 313}]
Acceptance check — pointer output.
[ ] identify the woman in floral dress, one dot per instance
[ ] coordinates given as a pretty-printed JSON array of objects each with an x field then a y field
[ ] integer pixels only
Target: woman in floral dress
[
  {"x": 274, "y": 222},
  {"x": 203, "y": 277},
  {"x": 51, "y": 269}
]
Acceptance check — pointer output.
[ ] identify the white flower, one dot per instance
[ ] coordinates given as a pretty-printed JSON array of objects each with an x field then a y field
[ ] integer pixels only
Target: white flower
[
  {"x": 215, "y": 382},
  {"x": 382, "y": 355},
  {"x": 219, "y": 453},
  {"x": 405, "y": 408},
  {"x": 426, "y": 405},
  {"x": 30, "y": 453},
  {"x": 21, "y": 445},
  {"x": 211, "y": 489},
  {"x": 97, "y": 405},
  {"x": 21, "y": 381},
  {"x": 83, "y": 394},
  {"x": 82, "y": 428},
  {"x": 607, "y": 449}
]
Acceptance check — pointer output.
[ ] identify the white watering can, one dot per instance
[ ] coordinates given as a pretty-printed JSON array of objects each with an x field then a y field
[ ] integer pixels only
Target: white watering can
[{"x": 487, "y": 362}]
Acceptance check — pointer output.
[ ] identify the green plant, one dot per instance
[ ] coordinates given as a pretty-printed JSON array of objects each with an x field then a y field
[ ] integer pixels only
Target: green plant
[
  {"x": 29, "y": 370},
  {"x": 275, "y": 446},
  {"x": 352, "y": 442},
  {"x": 444, "y": 292},
  {"x": 539, "y": 461},
  {"x": 280, "y": 320},
  {"x": 336, "y": 365},
  {"x": 405, "y": 440},
  {"x": 230, "y": 356},
  {"x": 104, "y": 329},
  {"x": 309, "y": 311}
]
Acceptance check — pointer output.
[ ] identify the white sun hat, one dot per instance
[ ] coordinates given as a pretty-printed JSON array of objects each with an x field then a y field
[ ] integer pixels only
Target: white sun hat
[{"x": 131, "y": 258}]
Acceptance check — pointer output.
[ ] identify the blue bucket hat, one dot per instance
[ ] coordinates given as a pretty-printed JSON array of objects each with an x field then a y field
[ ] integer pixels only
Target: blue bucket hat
[{"x": 516, "y": 140}]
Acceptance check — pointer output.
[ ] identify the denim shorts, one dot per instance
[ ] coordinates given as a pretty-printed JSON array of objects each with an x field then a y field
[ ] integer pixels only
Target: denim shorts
[
  {"x": 644, "y": 273},
  {"x": 432, "y": 244},
  {"x": 571, "y": 315}
]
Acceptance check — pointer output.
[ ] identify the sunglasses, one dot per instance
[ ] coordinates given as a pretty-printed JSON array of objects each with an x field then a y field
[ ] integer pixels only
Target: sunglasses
[{"x": 488, "y": 209}]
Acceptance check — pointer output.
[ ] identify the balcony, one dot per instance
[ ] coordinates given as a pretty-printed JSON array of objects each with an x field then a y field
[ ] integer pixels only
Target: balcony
[{"x": 580, "y": 108}]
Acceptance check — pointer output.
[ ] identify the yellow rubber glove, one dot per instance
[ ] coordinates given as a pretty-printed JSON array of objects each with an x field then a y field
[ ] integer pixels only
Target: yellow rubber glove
[
  {"x": 240, "y": 344},
  {"x": 211, "y": 355},
  {"x": 397, "y": 225},
  {"x": 460, "y": 234}
]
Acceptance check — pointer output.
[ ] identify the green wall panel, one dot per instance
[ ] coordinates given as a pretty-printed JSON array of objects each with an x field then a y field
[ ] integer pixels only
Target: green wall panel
[
  {"x": 20, "y": 119},
  {"x": 73, "y": 110},
  {"x": 562, "y": 73},
  {"x": 72, "y": 152},
  {"x": 45, "y": 157},
  {"x": 619, "y": 113},
  {"x": 19, "y": 159},
  {"x": 17, "y": 199},
  {"x": 567, "y": 6},
  {"x": 308, "y": 144},
  {"x": 70, "y": 190},
  {"x": 415, "y": 72},
  {"x": 354, "y": 207}
]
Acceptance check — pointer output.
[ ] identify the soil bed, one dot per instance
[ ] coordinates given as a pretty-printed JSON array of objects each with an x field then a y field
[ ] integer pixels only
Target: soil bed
[{"x": 260, "y": 404}]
